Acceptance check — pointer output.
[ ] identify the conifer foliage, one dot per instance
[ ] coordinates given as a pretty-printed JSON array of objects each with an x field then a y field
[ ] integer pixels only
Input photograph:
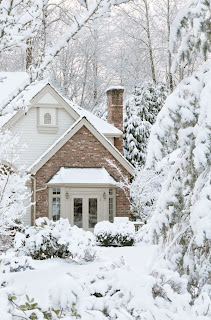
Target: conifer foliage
[
  {"x": 182, "y": 220},
  {"x": 141, "y": 109}
]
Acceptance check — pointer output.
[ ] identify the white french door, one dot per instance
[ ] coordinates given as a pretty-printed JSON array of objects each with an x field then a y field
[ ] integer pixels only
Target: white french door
[{"x": 85, "y": 211}]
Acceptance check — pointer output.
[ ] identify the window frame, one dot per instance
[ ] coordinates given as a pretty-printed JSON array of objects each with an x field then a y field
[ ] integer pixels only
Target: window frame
[
  {"x": 49, "y": 119},
  {"x": 112, "y": 196}
]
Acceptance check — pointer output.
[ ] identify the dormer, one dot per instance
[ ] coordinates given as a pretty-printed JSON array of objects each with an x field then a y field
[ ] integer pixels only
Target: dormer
[{"x": 47, "y": 119}]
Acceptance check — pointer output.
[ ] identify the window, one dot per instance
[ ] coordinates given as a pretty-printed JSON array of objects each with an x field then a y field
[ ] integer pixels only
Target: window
[
  {"x": 92, "y": 212},
  {"x": 47, "y": 118},
  {"x": 56, "y": 204},
  {"x": 111, "y": 205},
  {"x": 78, "y": 212}
]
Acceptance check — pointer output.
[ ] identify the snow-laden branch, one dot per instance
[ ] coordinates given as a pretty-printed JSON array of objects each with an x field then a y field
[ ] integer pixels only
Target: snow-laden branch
[{"x": 90, "y": 11}]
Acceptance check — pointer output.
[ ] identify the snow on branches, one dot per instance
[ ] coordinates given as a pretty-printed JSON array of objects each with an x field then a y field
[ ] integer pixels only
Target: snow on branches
[
  {"x": 190, "y": 32},
  {"x": 14, "y": 194},
  {"x": 183, "y": 215},
  {"x": 20, "y": 20},
  {"x": 141, "y": 111}
]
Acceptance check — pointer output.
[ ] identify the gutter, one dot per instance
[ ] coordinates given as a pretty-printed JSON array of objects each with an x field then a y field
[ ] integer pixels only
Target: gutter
[{"x": 35, "y": 196}]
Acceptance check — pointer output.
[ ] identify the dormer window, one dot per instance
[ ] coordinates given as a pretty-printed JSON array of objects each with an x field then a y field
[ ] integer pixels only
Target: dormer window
[{"x": 47, "y": 118}]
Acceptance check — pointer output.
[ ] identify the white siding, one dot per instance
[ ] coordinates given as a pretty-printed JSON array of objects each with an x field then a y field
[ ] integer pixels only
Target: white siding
[
  {"x": 37, "y": 143},
  {"x": 27, "y": 218}
]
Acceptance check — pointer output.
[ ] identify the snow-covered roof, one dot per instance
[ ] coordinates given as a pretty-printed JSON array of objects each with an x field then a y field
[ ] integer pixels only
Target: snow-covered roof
[
  {"x": 115, "y": 88},
  {"x": 82, "y": 176},
  {"x": 12, "y": 82},
  {"x": 101, "y": 125}
]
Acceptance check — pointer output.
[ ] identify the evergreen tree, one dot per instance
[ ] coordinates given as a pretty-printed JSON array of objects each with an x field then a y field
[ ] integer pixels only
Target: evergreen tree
[
  {"x": 182, "y": 220},
  {"x": 141, "y": 111}
]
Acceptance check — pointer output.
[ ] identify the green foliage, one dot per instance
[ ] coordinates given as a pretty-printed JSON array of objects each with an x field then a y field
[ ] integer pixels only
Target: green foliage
[
  {"x": 31, "y": 310},
  {"x": 110, "y": 234},
  {"x": 141, "y": 109},
  {"x": 55, "y": 239},
  {"x": 107, "y": 239},
  {"x": 191, "y": 33}
]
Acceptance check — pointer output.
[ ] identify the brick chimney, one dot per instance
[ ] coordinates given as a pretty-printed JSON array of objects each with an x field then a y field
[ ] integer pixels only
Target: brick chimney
[{"x": 115, "y": 112}]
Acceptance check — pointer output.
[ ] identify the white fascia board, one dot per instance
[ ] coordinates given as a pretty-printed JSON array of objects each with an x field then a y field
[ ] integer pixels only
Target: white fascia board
[
  {"x": 114, "y": 135},
  {"x": 77, "y": 126},
  {"x": 82, "y": 185}
]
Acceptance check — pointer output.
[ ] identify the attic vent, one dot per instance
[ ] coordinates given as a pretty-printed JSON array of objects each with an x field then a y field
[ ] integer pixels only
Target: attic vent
[{"x": 47, "y": 118}]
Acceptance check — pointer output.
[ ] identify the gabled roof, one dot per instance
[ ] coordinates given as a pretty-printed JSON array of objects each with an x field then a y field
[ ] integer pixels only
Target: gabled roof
[
  {"x": 81, "y": 176},
  {"x": 12, "y": 81},
  {"x": 82, "y": 121}
]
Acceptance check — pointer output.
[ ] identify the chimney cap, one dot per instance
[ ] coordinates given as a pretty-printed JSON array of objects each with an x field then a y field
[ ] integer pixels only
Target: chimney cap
[{"x": 115, "y": 88}]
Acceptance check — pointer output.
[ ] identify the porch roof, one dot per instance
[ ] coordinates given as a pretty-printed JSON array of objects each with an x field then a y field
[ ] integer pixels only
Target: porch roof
[{"x": 82, "y": 176}]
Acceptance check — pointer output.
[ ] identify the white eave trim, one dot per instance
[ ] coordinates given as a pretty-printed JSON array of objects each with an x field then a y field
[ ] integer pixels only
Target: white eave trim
[
  {"x": 77, "y": 126},
  {"x": 81, "y": 185}
]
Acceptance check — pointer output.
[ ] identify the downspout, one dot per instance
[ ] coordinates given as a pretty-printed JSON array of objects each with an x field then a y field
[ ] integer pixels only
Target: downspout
[{"x": 35, "y": 197}]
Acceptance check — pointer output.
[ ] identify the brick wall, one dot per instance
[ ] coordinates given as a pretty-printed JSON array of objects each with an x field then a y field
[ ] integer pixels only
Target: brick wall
[
  {"x": 115, "y": 113},
  {"x": 85, "y": 151}
]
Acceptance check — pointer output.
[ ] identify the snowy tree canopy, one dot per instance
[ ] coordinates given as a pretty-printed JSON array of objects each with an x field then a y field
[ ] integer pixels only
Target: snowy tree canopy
[
  {"x": 183, "y": 214},
  {"x": 21, "y": 19},
  {"x": 191, "y": 32},
  {"x": 14, "y": 194},
  {"x": 141, "y": 111}
]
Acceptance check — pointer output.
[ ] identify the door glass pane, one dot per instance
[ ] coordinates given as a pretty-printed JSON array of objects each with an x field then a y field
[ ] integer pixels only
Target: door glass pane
[
  {"x": 92, "y": 212},
  {"x": 111, "y": 209},
  {"x": 56, "y": 209},
  {"x": 78, "y": 210}
]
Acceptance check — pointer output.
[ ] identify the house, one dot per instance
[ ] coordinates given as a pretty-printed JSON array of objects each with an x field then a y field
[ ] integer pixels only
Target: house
[{"x": 75, "y": 159}]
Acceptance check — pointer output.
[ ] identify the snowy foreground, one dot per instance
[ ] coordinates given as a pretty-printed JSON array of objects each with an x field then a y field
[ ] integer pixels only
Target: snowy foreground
[
  {"x": 61, "y": 281},
  {"x": 51, "y": 275},
  {"x": 118, "y": 285}
]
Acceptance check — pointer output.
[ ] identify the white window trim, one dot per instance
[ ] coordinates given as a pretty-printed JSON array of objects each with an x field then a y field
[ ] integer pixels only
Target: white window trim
[{"x": 47, "y": 128}]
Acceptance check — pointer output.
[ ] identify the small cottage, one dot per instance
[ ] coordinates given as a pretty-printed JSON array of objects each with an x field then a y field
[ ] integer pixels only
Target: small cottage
[{"x": 74, "y": 158}]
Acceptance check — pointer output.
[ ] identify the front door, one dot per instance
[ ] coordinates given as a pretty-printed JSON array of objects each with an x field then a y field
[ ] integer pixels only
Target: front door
[{"x": 85, "y": 211}]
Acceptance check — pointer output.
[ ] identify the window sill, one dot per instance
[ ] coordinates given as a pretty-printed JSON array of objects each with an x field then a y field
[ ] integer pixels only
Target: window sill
[{"x": 47, "y": 129}]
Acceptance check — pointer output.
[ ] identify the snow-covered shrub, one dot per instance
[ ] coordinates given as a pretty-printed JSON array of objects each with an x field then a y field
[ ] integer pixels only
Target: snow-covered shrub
[
  {"x": 119, "y": 292},
  {"x": 108, "y": 233},
  {"x": 16, "y": 264},
  {"x": 144, "y": 192},
  {"x": 14, "y": 194},
  {"x": 32, "y": 310},
  {"x": 55, "y": 239}
]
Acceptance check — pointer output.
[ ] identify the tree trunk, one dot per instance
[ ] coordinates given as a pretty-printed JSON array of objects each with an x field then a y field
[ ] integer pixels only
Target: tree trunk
[
  {"x": 152, "y": 65},
  {"x": 170, "y": 76}
]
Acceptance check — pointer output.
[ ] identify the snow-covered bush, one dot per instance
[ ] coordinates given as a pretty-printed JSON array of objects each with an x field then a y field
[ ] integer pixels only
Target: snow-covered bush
[
  {"x": 108, "y": 233},
  {"x": 14, "y": 195},
  {"x": 144, "y": 192},
  {"x": 119, "y": 292},
  {"x": 55, "y": 239},
  {"x": 16, "y": 264}
]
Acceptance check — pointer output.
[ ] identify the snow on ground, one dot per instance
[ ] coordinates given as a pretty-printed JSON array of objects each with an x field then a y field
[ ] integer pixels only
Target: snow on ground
[{"x": 48, "y": 275}]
